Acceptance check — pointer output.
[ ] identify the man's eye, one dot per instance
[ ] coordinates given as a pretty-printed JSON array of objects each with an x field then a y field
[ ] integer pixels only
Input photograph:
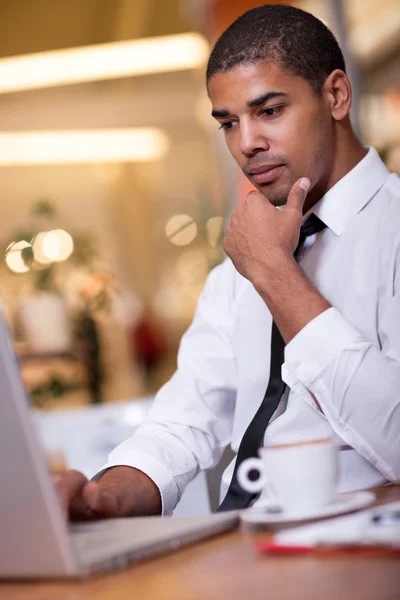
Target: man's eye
[
  {"x": 227, "y": 125},
  {"x": 272, "y": 111}
]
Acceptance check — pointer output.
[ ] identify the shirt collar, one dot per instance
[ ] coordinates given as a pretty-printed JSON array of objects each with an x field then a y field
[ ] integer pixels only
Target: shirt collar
[{"x": 351, "y": 193}]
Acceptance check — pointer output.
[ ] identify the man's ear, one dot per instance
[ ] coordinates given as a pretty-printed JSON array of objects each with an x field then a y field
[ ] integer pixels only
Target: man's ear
[{"x": 337, "y": 91}]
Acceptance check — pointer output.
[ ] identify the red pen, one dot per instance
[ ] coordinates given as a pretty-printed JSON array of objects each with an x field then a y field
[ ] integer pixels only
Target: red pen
[{"x": 270, "y": 547}]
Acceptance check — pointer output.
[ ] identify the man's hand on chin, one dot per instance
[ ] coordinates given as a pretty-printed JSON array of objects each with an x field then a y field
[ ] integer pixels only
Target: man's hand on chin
[
  {"x": 259, "y": 235},
  {"x": 261, "y": 240}
]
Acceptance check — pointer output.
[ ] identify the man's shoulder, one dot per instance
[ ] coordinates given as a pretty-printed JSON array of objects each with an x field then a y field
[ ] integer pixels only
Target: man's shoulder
[
  {"x": 392, "y": 185},
  {"x": 381, "y": 217},
  {"x": 390, "y": 199},
  {"x": 386, "y": 203}
]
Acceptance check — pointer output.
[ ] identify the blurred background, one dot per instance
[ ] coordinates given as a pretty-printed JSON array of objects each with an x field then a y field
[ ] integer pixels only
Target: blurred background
[{"x": 115, "y": 183}]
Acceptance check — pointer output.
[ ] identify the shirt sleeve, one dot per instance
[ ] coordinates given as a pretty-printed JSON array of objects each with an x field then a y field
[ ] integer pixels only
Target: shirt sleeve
[
  {"x": 356, "y": 383},
  {"x": 190, "y": 422}
]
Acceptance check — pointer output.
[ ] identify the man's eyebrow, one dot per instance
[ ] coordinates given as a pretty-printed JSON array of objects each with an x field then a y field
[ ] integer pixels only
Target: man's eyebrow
[
  {"x": 221, "y": 113},
  {"x": 264, "y": 98}
]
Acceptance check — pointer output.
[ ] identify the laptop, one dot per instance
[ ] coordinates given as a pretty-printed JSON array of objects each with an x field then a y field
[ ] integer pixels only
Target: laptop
[{"x": 35, "y": 539}]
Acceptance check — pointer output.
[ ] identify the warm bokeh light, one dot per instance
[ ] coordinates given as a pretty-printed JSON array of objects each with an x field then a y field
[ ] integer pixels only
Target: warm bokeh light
[
  {"x": 65, "y": 244},
  {"x": 181, "y": 230},
  {"x": 14, "y": 259},
  {"x": 37, "y": 245},
  {"x": 82, "y": 146},
  {"x": 103, "y": 61},
  {"x": 51, "y": 245}
]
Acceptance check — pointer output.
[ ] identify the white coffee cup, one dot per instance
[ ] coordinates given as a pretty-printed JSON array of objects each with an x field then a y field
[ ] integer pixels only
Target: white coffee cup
[{"x": 297, "y": 477}]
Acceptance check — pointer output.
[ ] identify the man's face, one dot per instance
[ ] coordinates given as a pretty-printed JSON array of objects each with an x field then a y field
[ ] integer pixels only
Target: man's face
[{"x": 276, "y": 128}]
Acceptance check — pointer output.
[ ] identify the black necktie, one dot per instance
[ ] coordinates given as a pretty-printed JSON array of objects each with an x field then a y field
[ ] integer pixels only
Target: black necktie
[{"x": 236, "y": 497}]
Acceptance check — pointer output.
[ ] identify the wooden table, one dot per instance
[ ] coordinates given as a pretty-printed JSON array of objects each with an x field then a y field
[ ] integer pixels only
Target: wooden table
[{"x": 227, "y": 568}]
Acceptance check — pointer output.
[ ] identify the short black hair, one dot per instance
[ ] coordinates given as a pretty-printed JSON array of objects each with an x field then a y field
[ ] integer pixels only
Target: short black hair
[{"x": 292, "y": 37}]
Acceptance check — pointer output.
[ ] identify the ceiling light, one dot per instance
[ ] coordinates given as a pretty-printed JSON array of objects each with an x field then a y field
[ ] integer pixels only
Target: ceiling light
[
  {"x": 82, "y": 146},
  {"x": 103, "y": 61}
]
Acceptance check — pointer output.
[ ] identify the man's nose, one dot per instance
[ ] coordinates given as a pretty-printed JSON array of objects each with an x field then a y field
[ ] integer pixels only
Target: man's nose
[{"x": 251, "y": 140}]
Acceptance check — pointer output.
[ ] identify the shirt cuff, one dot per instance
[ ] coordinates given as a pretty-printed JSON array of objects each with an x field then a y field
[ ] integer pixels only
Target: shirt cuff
[
  {"x": 152, "y": 468},
  {"x": 309, "y": 353}
]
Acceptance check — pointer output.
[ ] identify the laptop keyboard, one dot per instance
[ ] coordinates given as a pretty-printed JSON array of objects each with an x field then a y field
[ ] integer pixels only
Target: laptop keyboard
[
  {"x": 91, "y": 541},
  {"x": 122, "y": 541},
  {"x": 99, "y": 535},
  {"x": 111, "y": 544}
]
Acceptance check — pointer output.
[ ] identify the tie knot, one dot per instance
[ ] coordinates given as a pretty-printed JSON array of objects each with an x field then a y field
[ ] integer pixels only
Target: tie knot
[{"x": 310, "y": 226}]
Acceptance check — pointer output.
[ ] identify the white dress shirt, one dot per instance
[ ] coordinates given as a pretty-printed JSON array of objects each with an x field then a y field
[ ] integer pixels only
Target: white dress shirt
[{"x": 348, "y": 356}]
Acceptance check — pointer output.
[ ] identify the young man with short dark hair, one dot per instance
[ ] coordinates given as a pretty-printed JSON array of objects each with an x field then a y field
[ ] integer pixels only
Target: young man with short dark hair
[{"x": 329, "y": 304}]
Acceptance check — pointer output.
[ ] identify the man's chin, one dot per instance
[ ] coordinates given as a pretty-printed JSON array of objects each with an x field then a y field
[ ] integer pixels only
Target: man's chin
[
  {"x": 277, "y": 201},
  {"x": 274, "y": 196}
]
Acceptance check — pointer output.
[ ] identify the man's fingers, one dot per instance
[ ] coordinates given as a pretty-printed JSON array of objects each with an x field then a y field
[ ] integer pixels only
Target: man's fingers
[
  {"x": 100, "y": 501},
  {"x": 93, "y": 502},
  {"x": 69, "y": 486},
  {"x": 298, "y": 194}
]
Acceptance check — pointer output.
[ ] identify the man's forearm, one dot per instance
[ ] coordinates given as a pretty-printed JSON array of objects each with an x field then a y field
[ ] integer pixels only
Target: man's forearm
[
  {"x": 137, "y": 494},
  {"x": 290, "y": 296}
]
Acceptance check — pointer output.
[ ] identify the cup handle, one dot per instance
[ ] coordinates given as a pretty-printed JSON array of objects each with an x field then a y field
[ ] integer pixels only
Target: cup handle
[{"x": 251, "y": 464}]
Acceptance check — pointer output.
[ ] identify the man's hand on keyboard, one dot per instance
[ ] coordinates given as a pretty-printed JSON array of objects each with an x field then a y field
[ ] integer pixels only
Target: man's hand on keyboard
[{"x": 120, "y": 492}]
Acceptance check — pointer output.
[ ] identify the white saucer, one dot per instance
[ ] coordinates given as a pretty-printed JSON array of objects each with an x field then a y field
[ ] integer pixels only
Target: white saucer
[{"x": 344, "y": 503}]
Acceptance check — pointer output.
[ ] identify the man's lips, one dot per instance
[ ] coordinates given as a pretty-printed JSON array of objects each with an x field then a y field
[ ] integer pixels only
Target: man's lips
[{"x": 265, "y": 173}]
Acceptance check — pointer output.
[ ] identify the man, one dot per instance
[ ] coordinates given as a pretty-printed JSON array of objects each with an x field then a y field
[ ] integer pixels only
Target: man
[{"x": 276, "y": 79}]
